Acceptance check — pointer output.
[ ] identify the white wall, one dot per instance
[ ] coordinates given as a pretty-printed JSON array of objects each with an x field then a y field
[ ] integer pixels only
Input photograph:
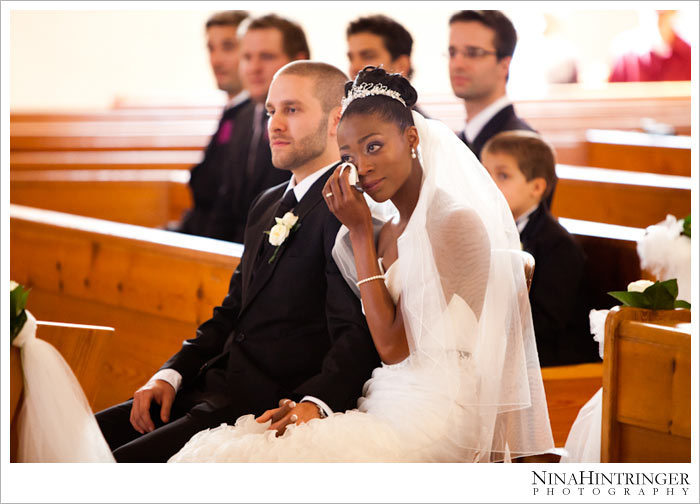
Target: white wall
[{"x": 84, "y": 59}]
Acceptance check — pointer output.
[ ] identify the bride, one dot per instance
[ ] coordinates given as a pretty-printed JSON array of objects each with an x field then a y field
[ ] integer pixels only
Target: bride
[{"x": 444, "y": 294}]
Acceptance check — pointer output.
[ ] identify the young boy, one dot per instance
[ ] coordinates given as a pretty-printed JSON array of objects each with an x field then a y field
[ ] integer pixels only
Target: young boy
[{"x": 523, "y": 167}]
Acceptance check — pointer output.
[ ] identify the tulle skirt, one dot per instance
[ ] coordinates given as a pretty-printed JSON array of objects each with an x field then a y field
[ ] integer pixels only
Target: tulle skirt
[{"x": 400, "y": 418}]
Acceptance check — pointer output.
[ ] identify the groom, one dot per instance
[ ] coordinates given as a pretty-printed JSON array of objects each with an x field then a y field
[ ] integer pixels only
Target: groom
[{"x": 290, "y": 332}]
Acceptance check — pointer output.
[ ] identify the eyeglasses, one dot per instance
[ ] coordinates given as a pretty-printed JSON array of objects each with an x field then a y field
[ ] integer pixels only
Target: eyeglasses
[{"x": 470, "y": 52}]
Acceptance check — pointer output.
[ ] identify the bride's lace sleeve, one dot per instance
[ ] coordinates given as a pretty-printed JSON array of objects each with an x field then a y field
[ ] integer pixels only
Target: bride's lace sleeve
[{"x": 462, "y": 253}]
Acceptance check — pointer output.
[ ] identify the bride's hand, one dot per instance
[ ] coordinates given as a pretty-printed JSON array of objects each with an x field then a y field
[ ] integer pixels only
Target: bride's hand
[
  {"x": 347, "y": 203},
  {"x": 288, "y": 412}
]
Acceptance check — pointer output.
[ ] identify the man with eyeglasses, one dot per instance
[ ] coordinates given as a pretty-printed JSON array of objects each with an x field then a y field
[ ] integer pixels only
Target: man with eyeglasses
[{"x": 481, "y": 48}]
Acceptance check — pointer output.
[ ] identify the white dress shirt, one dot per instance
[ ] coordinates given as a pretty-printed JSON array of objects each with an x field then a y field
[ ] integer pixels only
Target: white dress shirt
[
  {"x": 474, "y": 125},
  {"x": 175, "y": 379},
  {"x": 238, "y": 99},
  {"x": 522, "y": 221}
]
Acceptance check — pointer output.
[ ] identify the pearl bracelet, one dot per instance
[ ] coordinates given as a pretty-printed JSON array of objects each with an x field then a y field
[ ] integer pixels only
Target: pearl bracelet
[{"x": 375, "y": 277}]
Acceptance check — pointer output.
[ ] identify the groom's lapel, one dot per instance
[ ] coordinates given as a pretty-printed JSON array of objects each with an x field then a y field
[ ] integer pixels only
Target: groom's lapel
[
  {"x": 265, "y": 269},
  {"x": 258, "y": 236}
]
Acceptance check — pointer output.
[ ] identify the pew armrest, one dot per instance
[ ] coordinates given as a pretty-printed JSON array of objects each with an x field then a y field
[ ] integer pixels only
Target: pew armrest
[{"x": 646, "y": 386}]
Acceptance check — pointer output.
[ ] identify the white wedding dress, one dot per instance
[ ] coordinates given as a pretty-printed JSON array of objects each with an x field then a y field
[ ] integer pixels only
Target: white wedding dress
[{"x": 400, "y": 418}]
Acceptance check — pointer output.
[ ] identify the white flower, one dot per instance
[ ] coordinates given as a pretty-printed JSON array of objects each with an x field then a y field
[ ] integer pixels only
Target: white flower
[
  {"x": 289, "y": 219},
  {"x": 639, "y": 286},
  {"x": 13, "y": 285},
  {"x": 278, "y": 234}
]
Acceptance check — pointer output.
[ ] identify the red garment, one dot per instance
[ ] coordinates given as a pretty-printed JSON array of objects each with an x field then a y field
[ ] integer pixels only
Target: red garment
[{"x": 650, "y": 66}]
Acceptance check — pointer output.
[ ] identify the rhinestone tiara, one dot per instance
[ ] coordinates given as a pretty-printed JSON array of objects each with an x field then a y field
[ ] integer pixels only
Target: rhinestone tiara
[{"x": 370, "y": 89}]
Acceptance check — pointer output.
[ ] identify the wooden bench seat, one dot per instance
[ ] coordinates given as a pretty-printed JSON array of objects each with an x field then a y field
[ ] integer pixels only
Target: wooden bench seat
[
  {"x": 635, "y": 151},
  {"x": 619, "y": 197},
  {"x": 142, "y": 197},
  {"x": 154, "y": 287},
  {"x": 105, "y": 160},
  {"x": 646, "y": 386}
]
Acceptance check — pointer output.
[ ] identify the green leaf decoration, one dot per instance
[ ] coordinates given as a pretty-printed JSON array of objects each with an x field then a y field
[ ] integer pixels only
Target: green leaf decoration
[
  {"x": 636, "y": 299},
  {"x": 659, "y": 295},
  {"x": 679, "y": 303},
  {"x": 686, "y": 226},
  {"x": 670, "y": 285},
  {"x": 18, "y": 300}
]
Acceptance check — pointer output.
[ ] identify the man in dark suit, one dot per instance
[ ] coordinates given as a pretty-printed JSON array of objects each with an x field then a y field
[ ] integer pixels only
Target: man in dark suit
[
  {"x": 237, "y": 165},
  {"x": 290, "y": 336},
  {"x": 481, "y": 47},
  {"x": 522, "y": 165}
]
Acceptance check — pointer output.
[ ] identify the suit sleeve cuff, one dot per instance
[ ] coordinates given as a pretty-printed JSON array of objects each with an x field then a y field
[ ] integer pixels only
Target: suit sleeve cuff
[
  {"x": 169, "y": 375},
  {"x": 318, "y": 402}
]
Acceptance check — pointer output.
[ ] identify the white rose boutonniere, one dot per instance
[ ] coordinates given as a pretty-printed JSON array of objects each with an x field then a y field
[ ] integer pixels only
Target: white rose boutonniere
[{"x": 279, "y": 233}]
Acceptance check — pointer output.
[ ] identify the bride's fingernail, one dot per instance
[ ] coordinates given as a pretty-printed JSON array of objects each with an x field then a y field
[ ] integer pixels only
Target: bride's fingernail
[{"x": 292, "y": 404}]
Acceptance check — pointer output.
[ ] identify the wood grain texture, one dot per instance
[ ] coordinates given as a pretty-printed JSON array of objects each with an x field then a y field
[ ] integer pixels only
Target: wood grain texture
[
  {"x": 155, "y": 287},
  {"x": 651, "y": 158},
  {"x": 142, "y": 197},
  {"x": 646, "y": 386},
  {"x": 104, "y": 160}
]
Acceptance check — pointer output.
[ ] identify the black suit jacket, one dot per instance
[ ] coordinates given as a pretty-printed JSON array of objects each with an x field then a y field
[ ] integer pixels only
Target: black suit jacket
[
  {"x": 222, "y": 186},
  {"x": 290, "y": 328},
  {"x": 505, "y": 120},
  {"x": 559, "y": 293}
]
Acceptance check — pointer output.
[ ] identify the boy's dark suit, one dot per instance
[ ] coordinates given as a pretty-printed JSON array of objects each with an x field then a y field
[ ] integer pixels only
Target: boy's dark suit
[
  {"x": 223, "y": 185},
  {"x": 504, "y": 120},
  {"x": 558, "y": 295},
  {"x": 289, "y": 328}
]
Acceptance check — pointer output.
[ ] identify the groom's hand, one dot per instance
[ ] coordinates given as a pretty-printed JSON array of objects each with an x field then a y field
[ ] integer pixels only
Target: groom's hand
[
  {"x": 289, "y": 412},
  {"x": 160, "y": 391}
]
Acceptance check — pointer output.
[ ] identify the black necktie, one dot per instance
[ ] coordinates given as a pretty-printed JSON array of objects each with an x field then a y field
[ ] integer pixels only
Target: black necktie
[{"x": 288, "y": 202}]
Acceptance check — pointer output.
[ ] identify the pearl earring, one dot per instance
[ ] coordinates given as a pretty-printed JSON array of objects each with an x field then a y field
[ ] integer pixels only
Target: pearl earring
[{"x": 413, "y": 153}]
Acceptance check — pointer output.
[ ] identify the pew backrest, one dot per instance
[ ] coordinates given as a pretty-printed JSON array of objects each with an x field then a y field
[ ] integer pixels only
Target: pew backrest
[
  {"x": 154, "y": 287},
  {"x": 151, "y": 198},
  {"x": 104, "y": 160},
  {"x": 636, "y": 151},
  {"x": 621, "y": 197}
]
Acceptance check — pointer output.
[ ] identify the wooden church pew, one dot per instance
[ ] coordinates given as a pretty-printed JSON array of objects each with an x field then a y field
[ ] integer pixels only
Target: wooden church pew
[
  {"x": 612, "y": 260},
  {"x": 141, "y": 197},
  {"x": 619, "y": 197},
  {"x": 635, "y": 151},
  {"x": 82, "y": 347},
  {"x": 119, "y": 135},
  {"x": 154, "y": 287},
  {"x": 141, "y": 114},
  {"x": 612, "y": 263},
  {"x": 105, "y": 160},
  {"x": 646, "y": 386}
]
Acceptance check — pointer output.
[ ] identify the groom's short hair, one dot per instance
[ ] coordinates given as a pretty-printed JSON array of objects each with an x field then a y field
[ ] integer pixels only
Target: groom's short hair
[{"x": 329, "y": 85}]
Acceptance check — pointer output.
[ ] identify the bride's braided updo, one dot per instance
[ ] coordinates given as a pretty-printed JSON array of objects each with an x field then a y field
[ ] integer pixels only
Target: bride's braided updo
[{"x": 382, "y": 105}]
